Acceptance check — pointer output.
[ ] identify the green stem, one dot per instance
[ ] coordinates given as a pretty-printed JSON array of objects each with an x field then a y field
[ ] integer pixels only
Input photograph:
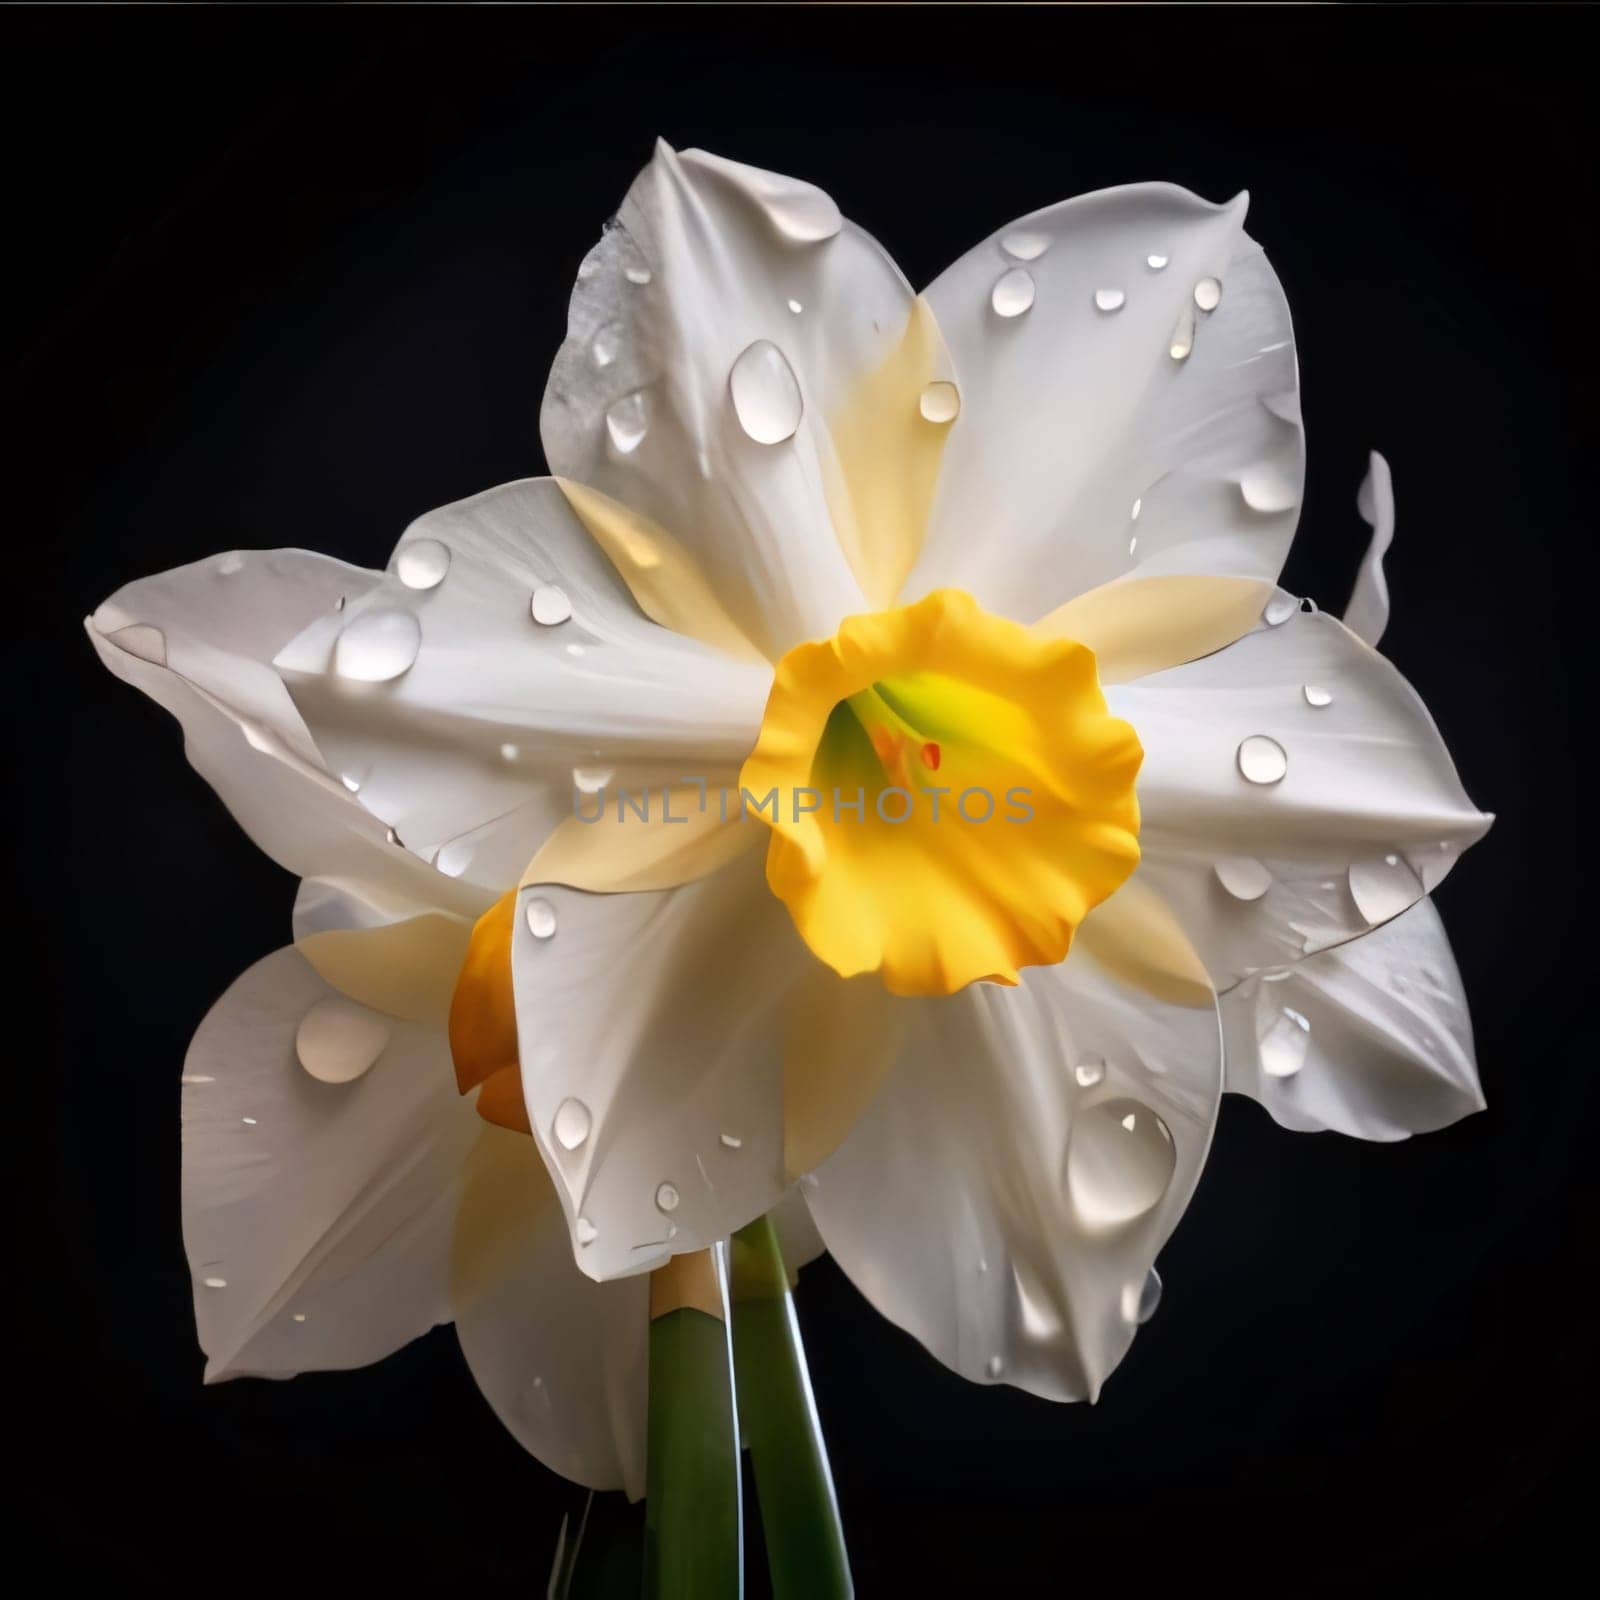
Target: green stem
[
  {"x": 799, "y": 1511},
  {"x": 693, "y": 1536}
]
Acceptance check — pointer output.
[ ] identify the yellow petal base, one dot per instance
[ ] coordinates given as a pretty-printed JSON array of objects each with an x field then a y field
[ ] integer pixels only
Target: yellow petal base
[{"x": 948, "y": 795}]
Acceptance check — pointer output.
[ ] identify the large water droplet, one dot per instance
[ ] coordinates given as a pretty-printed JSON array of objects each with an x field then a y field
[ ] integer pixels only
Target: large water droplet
[
  {"x": 1383, "y": 888},
  {"x": 1012, "y": 293},
  {"x": 627, "y": 422},
  {"x": 377, "y": 645},
  {"x": 1242, "y": 876},
  {"x": 585, "y": 1230},
  {"x": 1316, "y": 695},
  {"x": 550, "y": 605},
  {"x": 1025, "y": 244},
  {"x": 572, "y": 1123},
  {"x": 1139, "y": 1300},
  {"x": 1283, "y": 1043},
  {"x": 1208, "y": 294},
  {"x": 940, "y": 402},
  {"x": 422, "y": 563},
  {"x": 1262, "y": 760},
  {"x": 1267, "y": 488},
  {"x": 1279, "y": 609},
  {"x": 541, "y": 917},
  {"x": 1109, "y": 299},
  {"x": 1089, "y": 1072},
  {"x": 766, "y": 393},
  {"x": 1120, "y": 1159},
  {"x": 666, "y": 1197},
  {"x": 1182, "y": 341},
  {"x": 338, "y": 1040},
  {"x": 607, "y": 341}
]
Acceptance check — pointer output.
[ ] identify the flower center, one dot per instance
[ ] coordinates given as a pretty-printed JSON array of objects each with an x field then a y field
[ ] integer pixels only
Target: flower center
[{"x": 947, "y": 793}]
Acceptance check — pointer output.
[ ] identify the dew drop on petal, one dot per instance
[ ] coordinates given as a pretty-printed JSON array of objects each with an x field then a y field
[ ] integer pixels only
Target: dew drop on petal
[
  {"x": 1383, "y": 888},
  {"x": 940, "y": 402},
  {"x": 1283, "y": 1043},
  {"x": 666, "y": 1197},
  {"x": 572, "y": 1123},
  {"x": 215, "y": 1283},
  {"x": 1012, "y": 293},
  {"x": 796, "y": 307},
  {"x": 637, "y": 274},
  {"x": 1025, "y": 244},
  {"x": 338, "y": 1040},
  {"x": 541, "y": 917},
  {"x": 591, "y": 780},
  {"x": 299, "y": 1316},
  {"x": 1139, "y": 1300},
  {"x": 1268, "y": 489},
  {"x": 585, "y": 1230},
  {"x": 1279, "y": 609},
  {"x": 606, "y": 343},
  {"x": 766, "y": 393},
  {"x": 1138, "y": 506},
  {"x": 1120, "y": 1159},
  {"x": 1089, "y": 1072},
  {"x": 1242, "y": 876},
  {"x": 1182, "y": 341},
  {"x": 1316, "y": 695},
  {"x": 1208, "y": 294},
  {"x": 627, "y": 422},
  {"x": 732, "y": 1142},
  {"x": 1109, "y": 299},
  {"x": 422, "y": 563},
  {"x": 1155, "y": 262},
  {"x": 352, "y": 784},
  {"x": 550, "y": 605},
  {"x": 509, "y": 752},
  {"x": 377, "y": 645},
  {"x": 994, "y": 1366},
  {"x": 1262, "y": 760}
]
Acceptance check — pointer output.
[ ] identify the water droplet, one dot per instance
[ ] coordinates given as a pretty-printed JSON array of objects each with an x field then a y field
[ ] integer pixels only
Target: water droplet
[
  {"x": 1316, "y": 696},
  {"x": 299, "y": 1316},
  {"x": 422, "y": 563},
  {"x": 1208, "y": 294},
  {"x": 627, "y": 422},
  {"x": 607, "y": 341},
  {"x": 215, "y": 1283},
  {"x": 1120, "y": 1159},
  {"x": 1383, "y": 888},
  {"x": 1283, "y": 1043},
  {"x": 352, "y": 784},
  {"x": 1090, "y": 1072},
  {"x": 796, "y": 307},
  {"x": 231, "y": 563},
  {"x": 541, "y": 917},
  {"x": 377, "y": 645},
  {"x": 940, "y": 402},
  {"x": 339, "y": 1040},
  {"x": 637, "y": 274},
  {"x": 1242, "y": 876},
  {"x": 1139, "y": 1300},
  {"x": 591, "y": 780},
  {"x": 585, "y": 1230},
  {"x": 1155, "y": 262},
  {"x": 732, "y": 1142},
  {"x": 1012, "y": 293},
  {"x": 766, "y": 393},
  {"x": 196, "y": 1077},
  {"x": 1109, "y": 299},
  {"x": 572, "y": 1123},
  {"x": 1182, "y": 341},
  {"x": 1262, "y": 760},
  {"x": 249, "y": 1122},
  {"x": 995, "y": 1366},
  {"x": 1138, "y": 506},
  {"x": 1279, "y": 609},
  {"x": 509, "y": 752},
  {"x": 1268, "y": 489},
  {"x": 1025, "y": 244},
  {"x": 1133, "y": 544},
  {"x": 550, "y": 605},
  {"x": 666, "y": 1197}
]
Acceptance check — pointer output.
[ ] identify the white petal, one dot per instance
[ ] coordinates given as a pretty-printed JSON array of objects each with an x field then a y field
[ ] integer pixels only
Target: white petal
[
  {"x": 1367, "y": 615},
  {"x": 318, "y": 1217},
  {"x": 1079, "y": 433},
  {"x": 562, "y": 1359},
  {"x": 997, "y": 1207},
  {"x": 1368, "y": 797},
  {"x": 658, "y": 1013},
  {"x": 470, "y": 753},
  {"x": 219, "y": 623},
  {"x": 655, "y": 426},
  {"x": 1388, "y": 1042}
]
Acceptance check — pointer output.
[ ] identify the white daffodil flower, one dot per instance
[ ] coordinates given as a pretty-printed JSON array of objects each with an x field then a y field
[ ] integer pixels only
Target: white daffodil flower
[{"x": 880, "y": 755}]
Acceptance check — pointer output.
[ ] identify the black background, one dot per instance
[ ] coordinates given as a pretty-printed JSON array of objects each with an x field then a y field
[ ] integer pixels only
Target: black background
[{"x": 295, "y": 276}]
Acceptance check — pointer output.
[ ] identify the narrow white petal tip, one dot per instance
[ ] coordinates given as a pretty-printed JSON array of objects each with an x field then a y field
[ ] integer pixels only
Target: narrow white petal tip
[{"x": 1367, "y": 614}]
